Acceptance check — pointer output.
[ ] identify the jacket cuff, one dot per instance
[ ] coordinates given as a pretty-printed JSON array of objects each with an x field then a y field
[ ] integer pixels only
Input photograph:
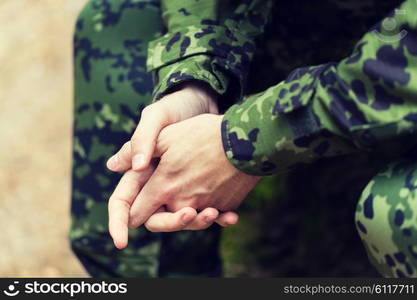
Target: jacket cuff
[
  {"x": 197, "y": 67},
  {"x": 278, "y": 130},
  {"x": 214, "y": 54}
]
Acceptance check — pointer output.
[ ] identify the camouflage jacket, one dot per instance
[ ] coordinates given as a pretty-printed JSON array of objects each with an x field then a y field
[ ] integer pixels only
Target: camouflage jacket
[{"x": 365, "y": 102}]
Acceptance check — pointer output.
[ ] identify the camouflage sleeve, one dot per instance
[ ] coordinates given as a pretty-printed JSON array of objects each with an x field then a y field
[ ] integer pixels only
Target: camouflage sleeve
[
  {"x": 211, "y": 41},
  {"x": 366, "y": 102}
]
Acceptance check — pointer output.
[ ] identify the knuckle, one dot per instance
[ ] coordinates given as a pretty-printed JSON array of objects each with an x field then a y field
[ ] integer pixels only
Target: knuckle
[
  {"x": 147, "y": 110},
  {"x": 168, "y": 193},
  {"x": 162, "y": 109},
  {"x": 125, "y": 153},
  {"x": 155, "y": 110},
  {"x": 135, "y": 144},
  {"x": 154, "y": 204},
  {"x": 126, "y": 145},
  {"x": 112, "y": 200}
]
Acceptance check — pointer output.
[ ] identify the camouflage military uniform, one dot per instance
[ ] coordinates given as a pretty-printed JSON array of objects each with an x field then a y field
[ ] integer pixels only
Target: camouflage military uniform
[
  {"x": 327, "y": 129},
  {"x": 111, "y": 89}
]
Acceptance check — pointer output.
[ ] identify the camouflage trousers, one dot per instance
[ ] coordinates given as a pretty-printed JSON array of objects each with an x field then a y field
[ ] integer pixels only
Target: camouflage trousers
[
  {"x": 111, "y": 89},
  {"x": 386, "y": 219},
  {"x": 298, "y": 224}
]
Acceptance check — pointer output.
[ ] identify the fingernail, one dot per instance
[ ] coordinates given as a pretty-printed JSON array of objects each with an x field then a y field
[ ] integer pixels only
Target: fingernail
[
  {"x": 113, "y": 162},
  {"x": 138, "y": 161},
  {"x": 185, "y": 219}
]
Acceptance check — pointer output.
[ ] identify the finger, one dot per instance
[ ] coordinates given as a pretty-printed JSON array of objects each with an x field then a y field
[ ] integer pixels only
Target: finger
[
  {"x": 120, "y": 203},
  {"x": 169, "y": 222},
  {"x": 204, "y": 219},
  {"x": 150, "y": 198},
  {"x": 143, "y": 141},
  {"x": 122, "y": 160},
  {"x": 227, "y": 219}
]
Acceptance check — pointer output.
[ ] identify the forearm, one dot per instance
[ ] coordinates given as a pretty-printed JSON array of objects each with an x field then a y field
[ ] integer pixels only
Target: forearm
[
  {"x": 211, "y": 42},
  {"x": 366, "y": 102}
]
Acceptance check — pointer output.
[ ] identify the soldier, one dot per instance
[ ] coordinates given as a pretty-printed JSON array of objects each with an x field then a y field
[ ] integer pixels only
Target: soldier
[{"x": 331, "y": 110}]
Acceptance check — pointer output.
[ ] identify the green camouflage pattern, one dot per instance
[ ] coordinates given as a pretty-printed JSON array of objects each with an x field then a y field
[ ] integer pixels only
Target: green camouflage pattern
[
  {"x": 386, "y": 219},
  {"x": 298, "y": 223},
  {"x": 361, "y": 108},
  {"x": 212, "y": 41},
  {"x": 111, "y": 89},
  {"x": 362, "y": 103}
]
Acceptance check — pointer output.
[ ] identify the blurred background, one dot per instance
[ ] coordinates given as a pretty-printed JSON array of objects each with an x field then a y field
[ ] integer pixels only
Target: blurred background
[
  {"x": 36, "y": 105},
  {"x": 35, "y": 131},
  {"x": 277, "y": 233}
]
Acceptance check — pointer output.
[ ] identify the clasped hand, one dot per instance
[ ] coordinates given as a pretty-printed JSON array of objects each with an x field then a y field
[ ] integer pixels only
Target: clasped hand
[{"x": 177, "y": 176}]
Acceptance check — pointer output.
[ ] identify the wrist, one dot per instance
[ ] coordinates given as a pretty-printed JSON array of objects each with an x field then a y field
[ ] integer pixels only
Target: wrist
[{"x": 204, "y": 93}]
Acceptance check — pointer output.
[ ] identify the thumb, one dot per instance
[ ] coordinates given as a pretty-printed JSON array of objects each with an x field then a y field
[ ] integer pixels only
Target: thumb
[{"x": 153, "y": 119}]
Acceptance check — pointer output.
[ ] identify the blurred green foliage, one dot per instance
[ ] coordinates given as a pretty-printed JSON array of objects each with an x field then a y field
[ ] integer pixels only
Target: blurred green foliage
[{"x": 242, "y": 246}]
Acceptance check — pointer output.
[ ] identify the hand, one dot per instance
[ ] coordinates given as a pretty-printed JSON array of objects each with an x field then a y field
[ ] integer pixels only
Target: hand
[
  {"x": 161, "y": 221},
  {"x": 193, "y": 171},
  {"x": 192, "y": 100}
]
